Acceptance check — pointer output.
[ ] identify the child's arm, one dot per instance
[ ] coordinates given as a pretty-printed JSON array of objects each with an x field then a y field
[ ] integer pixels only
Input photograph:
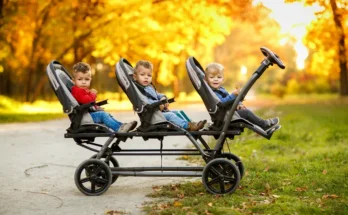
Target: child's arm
[
  {"x": 82, "y": 96},
  {"x": 227, "y": 98}
]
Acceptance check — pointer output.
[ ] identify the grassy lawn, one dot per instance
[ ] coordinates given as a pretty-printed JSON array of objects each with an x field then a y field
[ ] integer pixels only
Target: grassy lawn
[
  {"x": 22, "y": 117},
  {"x": 303, "y": 169}
]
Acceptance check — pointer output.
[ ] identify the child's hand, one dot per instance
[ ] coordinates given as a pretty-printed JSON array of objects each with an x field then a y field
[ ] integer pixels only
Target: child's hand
[
  {"x": 161, "y": 107},
  {"x": 100, "y": 108},
  {"x": 241, "y": 107},
  {"x": 94, "y": 91},
  {"x": 235, "y": 92}
]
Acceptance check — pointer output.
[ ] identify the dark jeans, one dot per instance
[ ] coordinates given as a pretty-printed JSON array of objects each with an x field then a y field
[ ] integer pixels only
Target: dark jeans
[{"x": 251, "y": 117}]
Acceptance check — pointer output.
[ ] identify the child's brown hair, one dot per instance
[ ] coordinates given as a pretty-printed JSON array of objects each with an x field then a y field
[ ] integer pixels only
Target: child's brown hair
[
  {"x": 146, "y": 64},
  {"x": 214, "y": 69},
  {"x": 81, "y": 67}
]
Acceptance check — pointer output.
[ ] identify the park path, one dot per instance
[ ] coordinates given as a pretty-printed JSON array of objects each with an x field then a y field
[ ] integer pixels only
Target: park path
[{"x": 38, "y": 166}]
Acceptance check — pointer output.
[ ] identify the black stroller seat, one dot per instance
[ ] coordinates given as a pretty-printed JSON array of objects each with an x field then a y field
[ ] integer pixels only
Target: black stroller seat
[
  {"x": 151, "y": 117},
  {"x": 218, "y": 110},
  {"x": 81, "y": 121}
]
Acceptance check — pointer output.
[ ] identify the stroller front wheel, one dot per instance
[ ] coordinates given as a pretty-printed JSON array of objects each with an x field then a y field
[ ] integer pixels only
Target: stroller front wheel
[
  {"x": 111, "y": 162},
  {"x": 93, "y": 177},
  {"x": 220, "y": 176},
  {"x": 237, "y": 160}
]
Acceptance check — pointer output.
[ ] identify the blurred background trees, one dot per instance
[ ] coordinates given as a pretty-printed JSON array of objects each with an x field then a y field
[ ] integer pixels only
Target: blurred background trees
[{"x": 35, "y": 32}]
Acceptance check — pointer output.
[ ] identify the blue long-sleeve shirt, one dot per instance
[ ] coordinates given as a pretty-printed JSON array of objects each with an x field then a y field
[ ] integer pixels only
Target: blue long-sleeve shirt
[
  {"x": 151, "y": 94},
  {"x": 223, "y": 95}
]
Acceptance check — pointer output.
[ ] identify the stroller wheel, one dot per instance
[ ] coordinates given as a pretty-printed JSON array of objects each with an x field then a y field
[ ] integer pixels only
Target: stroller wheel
[
  {"x": 93, "y": 177},
  {"x": 220, "y": 176},
  {"x": 111, "y": 162},
  {"x": 237, "y": 160}
]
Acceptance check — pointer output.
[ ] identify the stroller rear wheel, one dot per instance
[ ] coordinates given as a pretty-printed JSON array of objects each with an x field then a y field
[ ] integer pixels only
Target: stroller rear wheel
[
  {"x": 237, "y": 160},
  {"x": 93, "y": 177},
  {"x": 220, "y": 176},
  {"x": 111, "y": 162}
]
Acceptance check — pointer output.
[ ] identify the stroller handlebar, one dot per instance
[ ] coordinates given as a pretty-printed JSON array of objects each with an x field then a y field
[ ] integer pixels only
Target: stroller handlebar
[{"x": 273, "y": 57}]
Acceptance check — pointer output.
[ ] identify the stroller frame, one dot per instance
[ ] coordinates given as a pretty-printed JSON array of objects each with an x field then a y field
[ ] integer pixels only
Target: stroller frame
[{"x": 221, "y": 175}]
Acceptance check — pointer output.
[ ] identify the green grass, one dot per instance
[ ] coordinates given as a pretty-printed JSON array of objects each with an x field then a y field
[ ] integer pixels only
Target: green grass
[
  {"x": 22, "y": 117},
  {"x": 303, "y": 169}
]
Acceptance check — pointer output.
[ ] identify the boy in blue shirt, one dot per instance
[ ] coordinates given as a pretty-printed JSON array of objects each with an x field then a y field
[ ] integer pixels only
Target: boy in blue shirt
[
  {"x": 143, "y": 78},
  {"x": 214, "y": 75}
]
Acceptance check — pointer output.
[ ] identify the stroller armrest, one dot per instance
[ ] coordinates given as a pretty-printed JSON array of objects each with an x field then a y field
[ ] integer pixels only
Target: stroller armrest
[
  {"x": 158, "y": 103},
  {"x": 84, "y": 106},
  {"x": 171, "y": 100},
  {"x": 104, "y": 102}
]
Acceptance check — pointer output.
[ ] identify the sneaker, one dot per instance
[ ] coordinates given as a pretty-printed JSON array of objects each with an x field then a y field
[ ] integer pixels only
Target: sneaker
[
  {"x": 272, "y": 123},
  {"x": 194, "y": 126},
  {"x": 125, "y": 127}
]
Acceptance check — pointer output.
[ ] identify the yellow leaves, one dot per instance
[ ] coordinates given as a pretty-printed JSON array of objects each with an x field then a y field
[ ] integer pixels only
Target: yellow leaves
[{"x": 177, "y": 204}]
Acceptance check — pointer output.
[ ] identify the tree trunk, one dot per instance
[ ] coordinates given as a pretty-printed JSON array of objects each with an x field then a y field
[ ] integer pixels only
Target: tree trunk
[
  {"x": 341, "y": 49},
  {"x": 1, "y": 8},
  {"x": 176, "y": 86}
]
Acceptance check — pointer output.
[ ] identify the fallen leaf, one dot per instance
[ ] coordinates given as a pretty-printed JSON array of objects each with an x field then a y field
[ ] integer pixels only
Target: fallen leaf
[
  {"x": 210, "y": 204},
  {"x": 266, "y": 202},
  {"x": 111, "y": 212},
  {"x": 275, "y": 196},
  {"x": 319, "y": 189},
  {"x": 186, "y": 208},
  {"x": 157, "y": 188},
  {"x": 301, "y": 189},
  {"x": 268, "y": 188},
  {"x": 324, "y": 171},
  {"x": 180, "y": 196},
  {"x": 332, "y": 196},
  {"x": 207, "y": 212},
  {"x": 177, "y": 204}
]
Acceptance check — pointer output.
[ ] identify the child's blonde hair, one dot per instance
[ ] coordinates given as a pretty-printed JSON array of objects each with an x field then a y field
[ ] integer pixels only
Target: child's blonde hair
[
  {"x": 214, "y": 69},
  {"x": 146, "y": 64},
  {"x": 81, "y": 67}
]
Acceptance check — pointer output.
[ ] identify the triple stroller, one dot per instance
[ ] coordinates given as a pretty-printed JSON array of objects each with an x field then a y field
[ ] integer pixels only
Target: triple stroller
[{"x": 222, "y": 172}]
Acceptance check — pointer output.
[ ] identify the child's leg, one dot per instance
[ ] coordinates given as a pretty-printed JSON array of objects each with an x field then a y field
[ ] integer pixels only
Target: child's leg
[
  {"x": 250, "y": 116},
  {"x": 178, "y": 114},
  {"x": 185, "y": 116},
  {"x": 107, "y": 119},
  {"x": 172, "y": 117}
]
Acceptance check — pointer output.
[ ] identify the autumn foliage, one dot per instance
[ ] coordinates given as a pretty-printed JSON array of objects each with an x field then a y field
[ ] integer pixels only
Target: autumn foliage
[{"x": 35, "y": 32}]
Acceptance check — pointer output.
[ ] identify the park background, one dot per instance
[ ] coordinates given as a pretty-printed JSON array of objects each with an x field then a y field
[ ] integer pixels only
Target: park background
[
  {"x": 309, "y": 36},
  {"x": 301, "y": 170}
]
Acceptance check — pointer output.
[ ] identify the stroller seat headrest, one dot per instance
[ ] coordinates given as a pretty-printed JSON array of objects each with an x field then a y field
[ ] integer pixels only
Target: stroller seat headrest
[{"x": 196, "y": 74}]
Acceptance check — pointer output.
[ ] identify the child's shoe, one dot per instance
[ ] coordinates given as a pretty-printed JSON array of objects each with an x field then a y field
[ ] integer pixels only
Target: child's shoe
[
  {"x": 125, "y": 127},
  {"x": 271, "y": 123},
  {"x": 194, "y": 126}
]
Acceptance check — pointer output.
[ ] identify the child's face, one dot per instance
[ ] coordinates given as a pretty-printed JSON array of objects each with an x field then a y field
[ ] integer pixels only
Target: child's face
[
  {"x": 83, "y": 80},
  {"x": 215, "y": 80},
  {"x": 143, "y": 76}
]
